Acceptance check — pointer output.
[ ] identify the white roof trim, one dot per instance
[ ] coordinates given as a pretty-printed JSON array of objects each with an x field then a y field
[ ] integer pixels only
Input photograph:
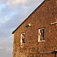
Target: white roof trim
[
  {"x": 55, "y": 50},
  {"x": 53, "y": 23},
  {"x": 46, "y": 52}
]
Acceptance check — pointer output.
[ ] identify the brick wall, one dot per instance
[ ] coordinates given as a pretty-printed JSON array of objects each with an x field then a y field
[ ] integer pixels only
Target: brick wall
[{"x": 42, "y": 17}]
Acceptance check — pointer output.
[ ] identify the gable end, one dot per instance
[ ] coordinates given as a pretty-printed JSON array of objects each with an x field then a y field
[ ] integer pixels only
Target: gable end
[{"x": 29, "y": 16}]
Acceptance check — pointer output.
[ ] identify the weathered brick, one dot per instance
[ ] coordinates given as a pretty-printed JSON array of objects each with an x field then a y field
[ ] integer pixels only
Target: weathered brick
[{"x": 43, "y": 16}]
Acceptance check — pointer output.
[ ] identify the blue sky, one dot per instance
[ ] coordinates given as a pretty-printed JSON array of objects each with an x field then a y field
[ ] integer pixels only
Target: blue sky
[{"x": 12, "y": 13}]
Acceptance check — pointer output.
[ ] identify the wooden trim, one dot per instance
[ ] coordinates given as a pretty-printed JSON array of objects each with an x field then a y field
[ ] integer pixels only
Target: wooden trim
[{"x": 42, "y": 28}]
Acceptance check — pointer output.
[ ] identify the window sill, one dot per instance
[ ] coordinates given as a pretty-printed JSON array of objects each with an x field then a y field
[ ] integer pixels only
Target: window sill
[
  {"x": 42, "y": 41},
  {"x": 23, "y": 43}
]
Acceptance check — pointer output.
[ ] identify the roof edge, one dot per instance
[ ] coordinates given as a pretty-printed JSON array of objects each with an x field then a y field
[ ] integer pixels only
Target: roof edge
[{"x": 28, "y": 16}]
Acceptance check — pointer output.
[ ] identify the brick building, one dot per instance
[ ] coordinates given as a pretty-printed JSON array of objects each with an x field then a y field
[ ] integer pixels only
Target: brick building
[{"x": 37, "y": 35}]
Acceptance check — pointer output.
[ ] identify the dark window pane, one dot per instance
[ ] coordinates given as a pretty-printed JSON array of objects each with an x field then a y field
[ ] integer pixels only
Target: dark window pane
[
  {"x": 23, "y": 38},
  {"x": 42, "y": 34}
]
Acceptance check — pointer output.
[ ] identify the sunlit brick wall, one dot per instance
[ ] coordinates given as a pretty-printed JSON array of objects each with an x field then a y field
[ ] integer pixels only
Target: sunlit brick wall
[{"x": 42, "y": 17}]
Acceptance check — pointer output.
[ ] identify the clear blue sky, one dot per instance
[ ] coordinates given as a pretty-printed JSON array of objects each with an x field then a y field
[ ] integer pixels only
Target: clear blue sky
[{"x": 12, "y": 13}]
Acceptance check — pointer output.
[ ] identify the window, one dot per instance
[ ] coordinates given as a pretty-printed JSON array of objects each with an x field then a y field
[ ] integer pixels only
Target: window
[
  {"x": 22, "y": 38},
  {"x": 41, "y": 34}
]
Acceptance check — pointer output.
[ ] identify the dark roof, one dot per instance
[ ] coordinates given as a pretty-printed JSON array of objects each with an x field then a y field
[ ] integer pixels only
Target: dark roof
[{"x": 28, "y": 16}]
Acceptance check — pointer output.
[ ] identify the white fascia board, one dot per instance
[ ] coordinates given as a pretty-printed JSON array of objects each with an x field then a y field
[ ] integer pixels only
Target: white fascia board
[{"x": 53, "y": 23}]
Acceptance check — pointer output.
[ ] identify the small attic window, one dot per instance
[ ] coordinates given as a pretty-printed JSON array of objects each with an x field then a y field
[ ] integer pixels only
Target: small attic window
[
  {"x": 22, "y": 38},
  {"x": 41, "y": 34}
]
